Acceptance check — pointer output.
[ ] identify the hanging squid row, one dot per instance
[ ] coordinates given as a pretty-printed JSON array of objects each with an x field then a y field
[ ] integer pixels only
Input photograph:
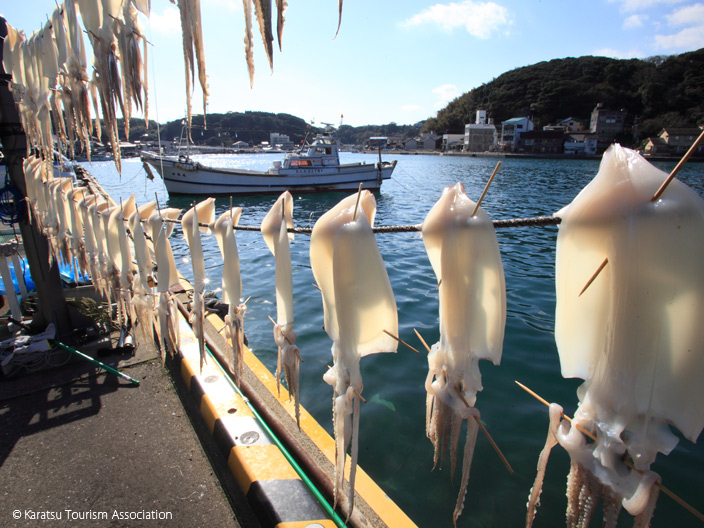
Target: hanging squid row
[
  {"x": 50, "y": 79},
  {"x": 630, "y": 296},
  {"x": 109, "y": 243}
]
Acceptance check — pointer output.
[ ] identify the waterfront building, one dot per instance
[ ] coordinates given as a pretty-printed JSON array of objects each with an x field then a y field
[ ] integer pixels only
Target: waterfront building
[
  {"x": 606, "y": 124},
  {"x": 452, "y": 142},
  {"x": 542, "y": 141},
  {"x": 426, "y": 141},
  {"x": 280, "y": 141},
  {"x": 511, "y": 131},
  {"x": 678, "y": 140},
  {"x": 480, "y": 136},
  {"x": 580, "y": 144}
]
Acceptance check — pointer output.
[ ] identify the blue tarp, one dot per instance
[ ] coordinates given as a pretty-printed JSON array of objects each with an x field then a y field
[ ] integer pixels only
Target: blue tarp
[{"x": 65, "y": 270}]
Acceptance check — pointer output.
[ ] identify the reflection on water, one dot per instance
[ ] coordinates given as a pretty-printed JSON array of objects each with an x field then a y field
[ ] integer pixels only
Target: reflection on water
[{"x": 393, "y": 446}]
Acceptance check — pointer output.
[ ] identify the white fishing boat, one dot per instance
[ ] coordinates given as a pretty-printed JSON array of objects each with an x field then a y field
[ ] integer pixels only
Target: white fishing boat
[{"x": 316, "y": 169}]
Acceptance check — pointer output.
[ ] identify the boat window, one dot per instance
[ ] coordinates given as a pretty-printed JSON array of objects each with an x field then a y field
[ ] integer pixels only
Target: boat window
[{"x": 300, "y": 163}]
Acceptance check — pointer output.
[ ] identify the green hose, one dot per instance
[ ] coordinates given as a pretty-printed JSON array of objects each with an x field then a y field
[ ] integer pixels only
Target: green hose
[{"x": 309, "y": 484}]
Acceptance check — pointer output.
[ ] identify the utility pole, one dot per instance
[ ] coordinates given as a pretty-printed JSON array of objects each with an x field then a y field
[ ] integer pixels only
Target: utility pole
[{"x": 51, "y": 305}]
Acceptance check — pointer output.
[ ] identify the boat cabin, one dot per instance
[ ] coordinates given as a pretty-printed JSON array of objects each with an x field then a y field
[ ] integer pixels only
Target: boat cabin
[{"x": 324, "y": 151}]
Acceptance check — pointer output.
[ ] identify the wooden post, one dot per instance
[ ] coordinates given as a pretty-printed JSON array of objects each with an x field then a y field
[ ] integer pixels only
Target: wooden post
[{"x": 52, "y": 306}]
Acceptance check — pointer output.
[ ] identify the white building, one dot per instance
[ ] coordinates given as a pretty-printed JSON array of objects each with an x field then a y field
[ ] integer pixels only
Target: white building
[
  {"x": 511, "y": 131},
  {"x": 480, "y": 136},
  {"x": 280, "y": 141},
  {"x": 452, "y": 142}
]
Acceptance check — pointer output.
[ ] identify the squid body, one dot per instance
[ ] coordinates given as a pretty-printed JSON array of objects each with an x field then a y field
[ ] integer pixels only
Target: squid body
[
  {"x": 160, "y": 227},
  {"x": 634, "y": 335},
  {"x": 232, "y": 289},
  {"x": 198, "y": 219},
  {"x": 464, "y": 253},
  {"x": 274, "y": 230},
  {"x": 358, "y": 305}
]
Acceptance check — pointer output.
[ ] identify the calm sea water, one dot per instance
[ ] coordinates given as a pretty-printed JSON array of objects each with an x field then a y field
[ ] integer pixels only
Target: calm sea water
[{"x": 393, "y": 446}]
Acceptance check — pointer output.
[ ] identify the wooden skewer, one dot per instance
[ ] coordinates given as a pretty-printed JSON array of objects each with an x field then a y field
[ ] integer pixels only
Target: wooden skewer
[
  {"x": 317, "y": 287},
  {"x": 401, "y": 341},
  {"x": 594, "y": 276},
  {"x": 486, "y": 188},
  {"x": 486, "y": 433},
  {"x": 360, "y": 396},
  {"x": 422, "y": 340},
  {"x": 662, "y": 488},
  {"x": 677, "y": 168},
  {"x": 356, "y": 206}
]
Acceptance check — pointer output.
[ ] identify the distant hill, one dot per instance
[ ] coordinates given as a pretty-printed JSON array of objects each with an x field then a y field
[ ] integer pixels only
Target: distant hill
[
  {"x": 255, "y": 127},
  {"x": 659, "y": 91}
]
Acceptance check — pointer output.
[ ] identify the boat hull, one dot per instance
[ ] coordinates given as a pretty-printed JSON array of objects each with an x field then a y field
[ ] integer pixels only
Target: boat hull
[{"x": 192, "y": 178}]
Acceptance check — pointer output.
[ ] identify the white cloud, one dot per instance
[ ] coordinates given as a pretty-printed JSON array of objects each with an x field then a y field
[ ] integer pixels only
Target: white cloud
[
  {"x": 687, "y": 16},
  {"x": 688, "y": 38},
  {"x": 639, "y": 5},
  {"x": 480, "y": 19},
  {"x": 445, "y": 93},
  {"x": 168, "y": 21},
  {"x": 618, "y": 54},
  {"x": 634, "y": 21}
]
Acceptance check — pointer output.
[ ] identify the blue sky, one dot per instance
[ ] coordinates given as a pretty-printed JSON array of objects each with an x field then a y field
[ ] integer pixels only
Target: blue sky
[{"x": 391, "y": 61}]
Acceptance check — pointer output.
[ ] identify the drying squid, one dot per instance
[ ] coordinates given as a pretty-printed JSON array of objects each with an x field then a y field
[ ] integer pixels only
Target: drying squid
[
  {"x": 275, "y": 232},
  {"x": 142, "y": 302},
  {"x": 634, "y": 333},
  {"x": 119, "y": 249},
  {"x": 232, "y": 289},
  {"x": 129, "y": 35},
  {"x": 464, "y": 253},
  {"x": 193, "y": 40},
  {"x": 161, "y": 226},
  {"x": 202, "y": 213},
  {"x": 281, "y": 6},
  {"x": 84, "y": 206},
  {"x": 75, "y": 95},
  {"x": 262, "y": 10},
  {"x": 60, "y": 191},
  {"x": 79, "y": 257},
  {"x": 101, "y": 279},
  {"x": 249, "y": 41},
  {"x": 358, "y": 305}
]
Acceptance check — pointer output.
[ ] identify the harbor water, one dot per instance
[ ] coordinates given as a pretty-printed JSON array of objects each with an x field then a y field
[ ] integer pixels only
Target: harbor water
[{"x": 393, "y": 447}]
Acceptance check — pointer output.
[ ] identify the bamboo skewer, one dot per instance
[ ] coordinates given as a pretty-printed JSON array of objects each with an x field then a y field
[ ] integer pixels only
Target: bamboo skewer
[
  {"x": 486, "y": 188},
  {"x": 594, "y": 276},
  {"x": 401, "y": 341},
  {"x": 356, "y": 206},
  {"x": 628, "y": 463},
  {"x": 422, "y": 340}
]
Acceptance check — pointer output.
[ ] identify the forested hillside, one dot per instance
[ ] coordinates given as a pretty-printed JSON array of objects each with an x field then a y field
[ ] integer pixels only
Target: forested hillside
[{"x": 660, "y": 91}]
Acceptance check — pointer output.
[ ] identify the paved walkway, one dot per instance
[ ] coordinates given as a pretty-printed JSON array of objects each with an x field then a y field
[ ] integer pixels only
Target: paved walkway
[{"x": 90, "y": 450}]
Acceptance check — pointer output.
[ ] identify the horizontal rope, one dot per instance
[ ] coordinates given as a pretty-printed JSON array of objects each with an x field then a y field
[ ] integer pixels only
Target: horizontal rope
[{"x": 536, "y": 221}]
